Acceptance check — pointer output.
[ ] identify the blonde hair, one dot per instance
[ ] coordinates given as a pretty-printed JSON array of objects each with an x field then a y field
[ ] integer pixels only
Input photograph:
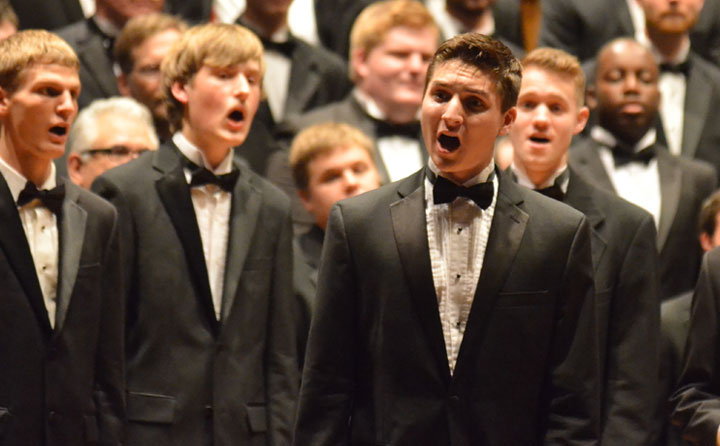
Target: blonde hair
[
  {"x": 213, "y": 45},
  {"x": 559, "y": 62},
  {"x": 26, "y": 48},
  {"x": 320, "y": 139},
  {"x": 137, "y": 30},
  {"x": 376, "y": 20}
]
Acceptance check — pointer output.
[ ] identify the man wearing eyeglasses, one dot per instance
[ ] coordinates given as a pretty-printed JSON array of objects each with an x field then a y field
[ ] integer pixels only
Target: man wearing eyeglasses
[{"x": 108, "y": 133}]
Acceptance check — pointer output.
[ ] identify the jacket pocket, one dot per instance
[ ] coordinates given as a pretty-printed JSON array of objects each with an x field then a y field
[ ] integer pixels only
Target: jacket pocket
[
  {"x": 151, "y": 408},
  {"x": 257, "y": 418}
]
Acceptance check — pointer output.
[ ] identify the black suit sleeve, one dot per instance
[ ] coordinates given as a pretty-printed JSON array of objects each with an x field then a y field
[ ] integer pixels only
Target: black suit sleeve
[
  {"x": 697, "y": 400},
  {"x": 326, "y": 395},
  {"x": 109, "y": 392},
  {"x": 281, "y": 352},
  {"x": 572, "y": 415},
  {"x": 632, "y": 352}
]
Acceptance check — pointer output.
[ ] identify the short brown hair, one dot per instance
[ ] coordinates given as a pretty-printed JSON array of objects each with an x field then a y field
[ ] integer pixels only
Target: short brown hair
[
  {"x": 26, "y": 48},
  {"x": 137, "y": 30},
  {"x": 487, "y": 55},
  {"x": 7, "y": 13},
  {"x": 559, "y": 62},
  {"x": 708, "y": 214},
  {"x": 320, "y": 139},
  {"x": 376, "y": 20},
  {"x": 214, "y": 45}
]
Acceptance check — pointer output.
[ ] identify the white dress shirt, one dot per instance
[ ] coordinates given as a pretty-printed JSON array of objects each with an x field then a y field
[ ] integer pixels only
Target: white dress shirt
[
  {"x": 457, "y": 238},
  {"x": 212, "y": 211},
  {"x": 673, "y": 87},
  {"x": 401, "y": 156},
  {"x": 636, "y": 182},
  {"x": 524, "y": 180},
  {"x": 40, "y": 226},
  {"x": 277, "y": 76}
]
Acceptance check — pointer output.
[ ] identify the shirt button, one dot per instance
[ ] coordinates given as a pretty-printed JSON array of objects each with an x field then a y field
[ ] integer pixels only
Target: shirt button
[{"x": 44, "y": 267}]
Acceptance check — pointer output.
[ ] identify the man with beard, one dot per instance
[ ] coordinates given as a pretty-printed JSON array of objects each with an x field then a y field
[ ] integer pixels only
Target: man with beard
[{"x": 623, "y": 156}]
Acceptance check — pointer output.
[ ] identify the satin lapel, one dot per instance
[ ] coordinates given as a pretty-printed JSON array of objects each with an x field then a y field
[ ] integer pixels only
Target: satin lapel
[
  {"x": 412, "y": 245},
  {"x": 697, "y": 109},
  {"x": 245, "y": 210},
  {"x": 506, "y": 232},
  {"x": 17, "y": 251},
  {"x": 95, "y": 60},
  {"x": 579, "y": 196},
  {"x": 585, "y": 159},
  {"x": 304, "y": 80},
  {"x": 72, "y": 236},
  {"x": 175, "y": 196},
  {"x": 670, "y": 184}
]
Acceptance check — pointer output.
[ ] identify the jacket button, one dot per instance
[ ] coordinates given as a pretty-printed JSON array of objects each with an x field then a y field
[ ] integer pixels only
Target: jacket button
[
  {"x": 208, "y": 412},
  {"x": 52, "y": 416}
]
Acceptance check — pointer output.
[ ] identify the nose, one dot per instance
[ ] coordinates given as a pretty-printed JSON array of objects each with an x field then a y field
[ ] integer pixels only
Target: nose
[
  {"x": 242, "y": 87},
  {"x": 541, "y": 116},
  {"x": 452, "y": 115},
  {"x": 631, "y": 83},
  {"x": 351, "y": 181},
  {"x": 415, "y": 63},
  {"x": 67, "y": 105}
]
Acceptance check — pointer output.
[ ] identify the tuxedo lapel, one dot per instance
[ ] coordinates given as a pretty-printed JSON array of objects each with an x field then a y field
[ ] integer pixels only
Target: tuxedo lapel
[
  {"x": 579, "y": 196},
  {"x": 304, "y": 80},
  {"x": 72, "y": 236},
  {"x": 174, "y": 193},
  {"x": 585, "y": 159},
  {"x": 414, "y": 252},
  {"x": 670, "y": 185},
  {"x": 245, "y": 210},
  {"x": 17, "y": 251},
  {"x": 506, "y": 232},
  {"x": 698, "y": 94},
  {"x": 95, "y": 60}
]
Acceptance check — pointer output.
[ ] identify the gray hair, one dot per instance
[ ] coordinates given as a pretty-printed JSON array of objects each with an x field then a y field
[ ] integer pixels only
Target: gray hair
[{"x": 85, "y": 129}]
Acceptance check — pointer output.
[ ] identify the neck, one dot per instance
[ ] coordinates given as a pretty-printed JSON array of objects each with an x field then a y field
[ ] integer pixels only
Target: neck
[
  {"x": 35, "y": 170},
  {"x": 471, "y": 21},
  {"x": 214, "y": 152},
  {"x": 393, "y": 112},
  {"x": 538, "y": 177},
  {"x": 668, "y": 45},
  {"x": 265, "y": 24},
  {"x": 108, "y": 16}
]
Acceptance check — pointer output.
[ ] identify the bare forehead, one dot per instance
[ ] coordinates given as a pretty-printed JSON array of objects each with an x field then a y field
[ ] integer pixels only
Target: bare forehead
[
  {"x": 626, "y": 54},
  {"x": 456, "y": 73}
]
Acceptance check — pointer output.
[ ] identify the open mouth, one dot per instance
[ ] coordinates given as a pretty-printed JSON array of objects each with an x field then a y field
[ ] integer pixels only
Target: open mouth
[
  {"x": 58, "y": 130},
  {"x": 236, "y": 116},
  {"x": 449, "y": 143},
  {"x": 539, "y": 139}
]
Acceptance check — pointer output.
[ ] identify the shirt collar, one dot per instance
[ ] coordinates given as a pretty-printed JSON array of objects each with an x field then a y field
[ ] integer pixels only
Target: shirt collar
[
  {"x": 196, "y": 155},
  {"x": 481, "y": 177},
  {"x": 524, "y": 180},
  {"x": 16, "y": 181},
  {"x": 604, "y": 137}
]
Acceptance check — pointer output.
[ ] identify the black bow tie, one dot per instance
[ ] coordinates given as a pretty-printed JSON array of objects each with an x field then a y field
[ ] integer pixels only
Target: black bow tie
[
  {"x": 680, "y": 68},
  {"x": 554, "y": 192},
  {"x": 226, "y": 182},
  {"x": 285, "y": 48},
  {"x": 385, "y": 129},
  {"x": 50, "y": 198},
  {"x": 445, "y": 191},
  {"x": 623, "y": 156}
]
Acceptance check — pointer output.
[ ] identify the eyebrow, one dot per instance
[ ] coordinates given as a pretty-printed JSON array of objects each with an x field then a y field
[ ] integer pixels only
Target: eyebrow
[{"x": 483, "y": 93}]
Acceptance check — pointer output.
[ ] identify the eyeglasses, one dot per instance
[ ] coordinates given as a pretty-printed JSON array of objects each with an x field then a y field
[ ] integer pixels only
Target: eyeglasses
[{"x": 118, "y": 151}]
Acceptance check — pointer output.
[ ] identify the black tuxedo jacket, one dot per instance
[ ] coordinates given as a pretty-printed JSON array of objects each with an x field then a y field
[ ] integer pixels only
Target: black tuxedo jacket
[
  {"x": 317, "y": 77},
  {"x": 697, "y": 399},
  {"x": 376, "y": 369},
  {"x": 582, "y": 28},
  {"x": 96, "y": 65},
  {"x": 194, "y": 380},
  {"x": 684, "y": 184},
  {"x": 46, "y": 14},
  {"x": 62, "y": 386},
  {"x": 628, "y": 310}
]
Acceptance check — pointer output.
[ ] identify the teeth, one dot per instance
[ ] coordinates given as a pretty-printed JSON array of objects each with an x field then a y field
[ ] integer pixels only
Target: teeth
[{"x": 449, "y": 142}]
